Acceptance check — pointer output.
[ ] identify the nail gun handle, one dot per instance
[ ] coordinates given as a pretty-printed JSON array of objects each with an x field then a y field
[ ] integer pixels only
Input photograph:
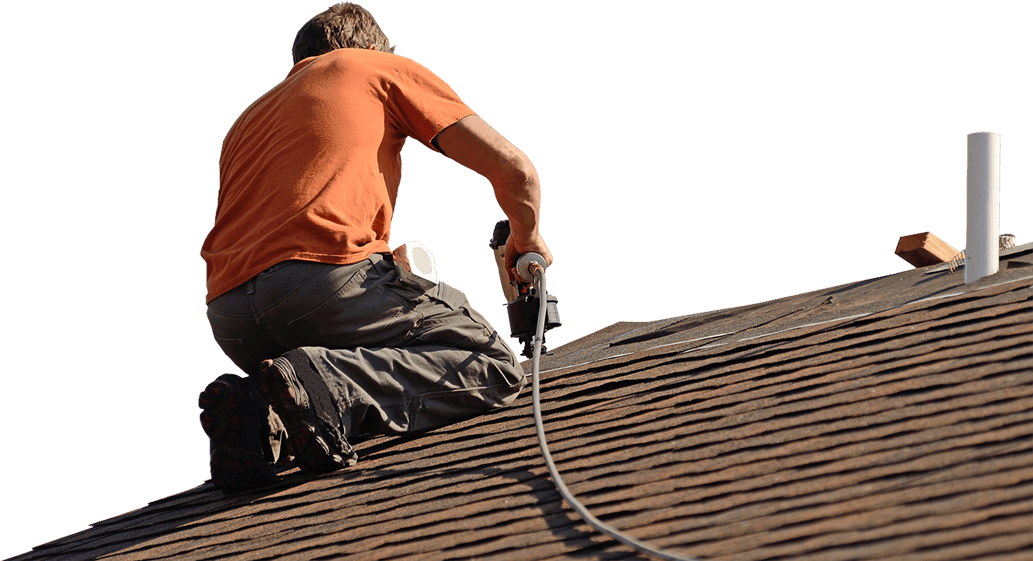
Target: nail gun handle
[{"x": 498, "y": 246}]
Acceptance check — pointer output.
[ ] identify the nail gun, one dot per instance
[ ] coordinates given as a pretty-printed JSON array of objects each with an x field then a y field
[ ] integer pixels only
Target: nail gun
[{"x": 522, "y": 294}]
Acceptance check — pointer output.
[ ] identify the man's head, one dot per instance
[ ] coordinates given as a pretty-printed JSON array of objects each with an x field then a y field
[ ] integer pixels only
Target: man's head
[{"x": 341, "y": 26}]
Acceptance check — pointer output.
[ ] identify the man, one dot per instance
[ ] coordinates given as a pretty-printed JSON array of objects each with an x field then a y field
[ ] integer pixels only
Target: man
[{"x": 303, "y": 295}]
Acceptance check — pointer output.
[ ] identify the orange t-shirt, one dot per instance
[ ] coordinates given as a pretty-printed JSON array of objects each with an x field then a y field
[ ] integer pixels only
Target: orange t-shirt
[{"x": 311, "y": 170}]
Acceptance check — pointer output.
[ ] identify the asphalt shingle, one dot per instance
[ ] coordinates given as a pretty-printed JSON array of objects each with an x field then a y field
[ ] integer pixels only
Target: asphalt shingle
[{"x": 885, "y": 419}]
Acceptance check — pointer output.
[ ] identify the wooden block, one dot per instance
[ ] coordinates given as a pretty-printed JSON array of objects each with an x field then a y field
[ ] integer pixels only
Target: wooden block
[{"x": 922, "y": 250}]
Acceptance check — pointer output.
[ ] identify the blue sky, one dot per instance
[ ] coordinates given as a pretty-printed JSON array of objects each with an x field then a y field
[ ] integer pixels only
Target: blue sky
[{"x": 694, "y": 156}]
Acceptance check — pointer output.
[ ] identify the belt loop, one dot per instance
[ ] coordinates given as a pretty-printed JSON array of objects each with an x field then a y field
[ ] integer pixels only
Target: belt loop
[{"x": 250, "y": 287}]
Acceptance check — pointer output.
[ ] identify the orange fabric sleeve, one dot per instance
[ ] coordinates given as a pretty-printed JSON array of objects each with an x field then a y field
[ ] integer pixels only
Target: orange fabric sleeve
[{"x": 310, "y": 171}]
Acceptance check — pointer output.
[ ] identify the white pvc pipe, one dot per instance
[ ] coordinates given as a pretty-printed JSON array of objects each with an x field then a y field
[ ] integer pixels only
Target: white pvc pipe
[{"x": 984, "y": 206}]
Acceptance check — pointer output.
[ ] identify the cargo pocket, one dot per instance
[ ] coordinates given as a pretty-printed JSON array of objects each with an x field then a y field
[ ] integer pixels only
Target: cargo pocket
[
  {"x": 451, "y": 322},
  {"x": 460, "y": 333}
]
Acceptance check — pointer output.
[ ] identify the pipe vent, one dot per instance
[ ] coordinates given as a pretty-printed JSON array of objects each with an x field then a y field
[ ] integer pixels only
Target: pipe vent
[{"x": 982, "y": 247}]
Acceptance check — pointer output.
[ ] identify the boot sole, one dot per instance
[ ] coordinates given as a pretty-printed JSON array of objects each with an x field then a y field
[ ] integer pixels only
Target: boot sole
[
  {"x": 306, "y": 440},
  {"x": 236, "y": 464}
]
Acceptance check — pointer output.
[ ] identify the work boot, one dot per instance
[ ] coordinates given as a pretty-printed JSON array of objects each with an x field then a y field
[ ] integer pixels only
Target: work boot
[
  {"x": 314, "y": 435},
  {"x": 231, "y": 420}
]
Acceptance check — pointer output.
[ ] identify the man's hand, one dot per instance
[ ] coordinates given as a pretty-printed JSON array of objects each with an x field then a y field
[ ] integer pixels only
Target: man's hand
[
  {"x": 514, "y": 249},
  {"x": 474, "y": 144}
]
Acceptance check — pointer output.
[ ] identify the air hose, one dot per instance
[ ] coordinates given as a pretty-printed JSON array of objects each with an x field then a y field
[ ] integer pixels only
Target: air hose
[{"x": 539, "y": 285}]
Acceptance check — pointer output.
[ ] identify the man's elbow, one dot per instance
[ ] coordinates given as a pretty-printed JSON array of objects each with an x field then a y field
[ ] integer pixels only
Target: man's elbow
[{"x": 519, "y": 171}]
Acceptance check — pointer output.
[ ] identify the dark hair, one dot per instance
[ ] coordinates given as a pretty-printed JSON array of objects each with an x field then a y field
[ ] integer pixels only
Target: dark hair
[{"x": 341, "y": 26}]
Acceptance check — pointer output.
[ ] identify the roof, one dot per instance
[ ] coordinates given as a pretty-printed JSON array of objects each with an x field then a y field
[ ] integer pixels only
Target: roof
[{"x": 883, "y": 419}]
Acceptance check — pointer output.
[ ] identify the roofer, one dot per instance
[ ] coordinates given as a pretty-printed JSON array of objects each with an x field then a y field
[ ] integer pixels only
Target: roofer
[{"x": 337, "y": 341}]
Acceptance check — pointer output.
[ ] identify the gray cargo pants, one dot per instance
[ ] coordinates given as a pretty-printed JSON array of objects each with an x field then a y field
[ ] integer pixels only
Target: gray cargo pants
[{"x": 398, "y": 353}]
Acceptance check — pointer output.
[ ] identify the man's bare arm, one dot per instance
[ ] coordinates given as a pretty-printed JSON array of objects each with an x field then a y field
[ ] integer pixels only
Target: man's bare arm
[{"x": 474, "y": 144}]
